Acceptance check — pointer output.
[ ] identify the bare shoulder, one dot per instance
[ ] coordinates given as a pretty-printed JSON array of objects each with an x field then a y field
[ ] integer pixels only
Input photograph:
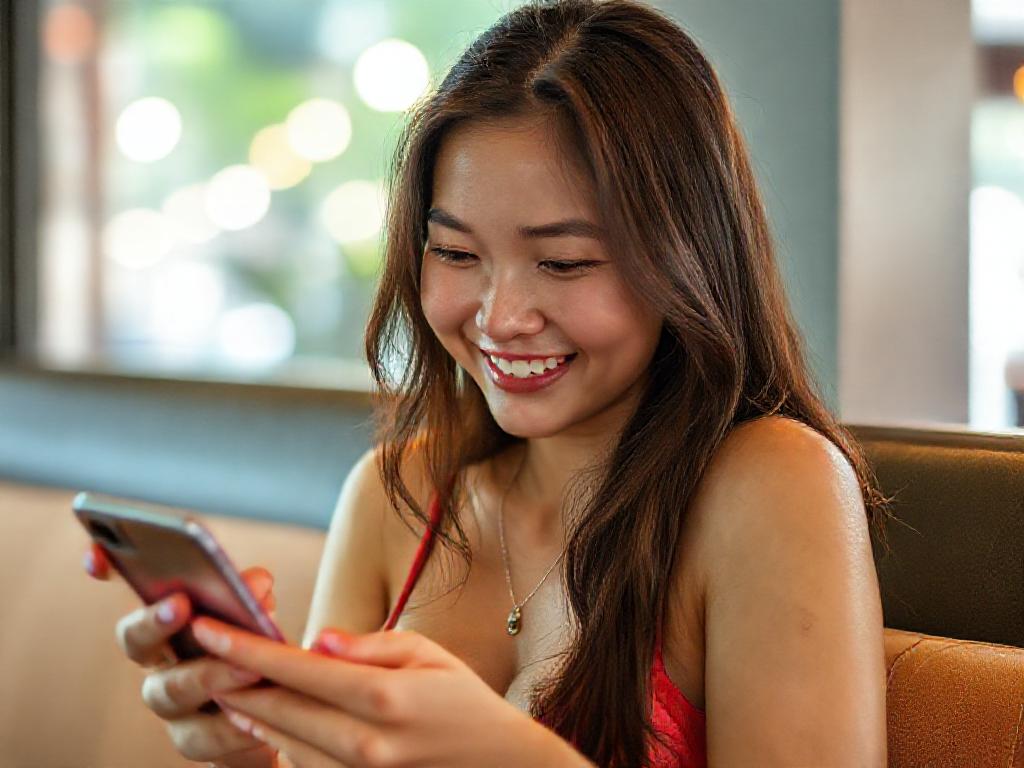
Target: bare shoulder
[
  {"x": 768, "y": 444},
  {"x": 793, "y": 624},
  {"x": 777, "y": 489},
  {"x": 768, "y": 458},
  {"x": 352, "y": 585},
  {"x": 764, "y": 465}
]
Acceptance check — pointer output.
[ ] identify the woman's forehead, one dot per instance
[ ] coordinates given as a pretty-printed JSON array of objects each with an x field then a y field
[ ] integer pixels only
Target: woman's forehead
[{"x": 520, "y": 164}]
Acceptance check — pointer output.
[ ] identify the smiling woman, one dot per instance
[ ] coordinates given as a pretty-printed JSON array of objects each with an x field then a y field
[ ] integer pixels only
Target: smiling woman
[
  {"x": 596, "y": 369},
  {"x": 603, "y": 371}
]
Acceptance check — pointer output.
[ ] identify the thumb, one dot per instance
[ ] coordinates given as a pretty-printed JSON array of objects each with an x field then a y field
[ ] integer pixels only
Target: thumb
[
  {"x": 260, "y": 582},
  {"x": 387, "y": 648},
  {"x": 96, "y": 563}
]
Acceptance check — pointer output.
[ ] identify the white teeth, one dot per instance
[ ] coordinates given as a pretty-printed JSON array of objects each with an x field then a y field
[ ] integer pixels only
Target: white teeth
[
  {"x": 520, "y": 369},
  {"x": 523, "y": 369}
]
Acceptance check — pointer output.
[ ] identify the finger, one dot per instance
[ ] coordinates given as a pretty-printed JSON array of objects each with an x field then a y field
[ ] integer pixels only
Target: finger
[
  {"x": 291, "y": 752},
  {"x": 259, "y": 580},
  {"x": 306, "y": 729},
  {"x": 261, "y": 583},
  {"x": 182, "y": 689},
  {"x": 269, "y": 603},
  {"x": 208, "y": 737},
  {"x": 96, "y": 563},
  {"x": 142, "y": 634},
  {"x": 355, "y": 688},
  {"x": 390, "y": 648}
]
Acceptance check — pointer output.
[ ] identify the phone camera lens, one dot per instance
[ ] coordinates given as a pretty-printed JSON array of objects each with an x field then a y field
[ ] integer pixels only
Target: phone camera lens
[{"x": 105, "y": 533}]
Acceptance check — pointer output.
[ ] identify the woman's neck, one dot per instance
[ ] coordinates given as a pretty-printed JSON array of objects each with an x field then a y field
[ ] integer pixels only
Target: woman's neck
[{"x": 540, "y": 473}]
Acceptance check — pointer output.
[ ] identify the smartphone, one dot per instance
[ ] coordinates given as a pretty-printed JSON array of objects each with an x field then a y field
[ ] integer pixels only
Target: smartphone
[{"x": 160, "y": 550}]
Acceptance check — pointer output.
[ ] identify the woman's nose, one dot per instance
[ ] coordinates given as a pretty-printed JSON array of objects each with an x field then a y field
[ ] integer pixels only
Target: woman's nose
[{"x": 508, "y": 309}]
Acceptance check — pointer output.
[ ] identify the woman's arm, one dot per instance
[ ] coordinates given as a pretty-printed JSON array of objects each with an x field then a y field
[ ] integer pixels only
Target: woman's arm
[
  {"x": 351, "y": 589},
  {"x": 403, "y": 692},
  {"x": 795, "y": 664}
]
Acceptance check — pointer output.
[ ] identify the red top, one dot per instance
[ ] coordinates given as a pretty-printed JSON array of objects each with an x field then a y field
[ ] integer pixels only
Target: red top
[{"x": 672, "y": 715}]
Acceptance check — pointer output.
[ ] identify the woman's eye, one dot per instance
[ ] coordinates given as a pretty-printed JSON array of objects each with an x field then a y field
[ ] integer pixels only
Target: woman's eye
[
  {"x": 455, "y": 257},
  {"x": 452, "y": 256},
  {"x": 568, "y": 267}
]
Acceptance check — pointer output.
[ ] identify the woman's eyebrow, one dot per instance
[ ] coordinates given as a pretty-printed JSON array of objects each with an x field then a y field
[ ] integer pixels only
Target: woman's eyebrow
[{"x": 566, "y": 228}]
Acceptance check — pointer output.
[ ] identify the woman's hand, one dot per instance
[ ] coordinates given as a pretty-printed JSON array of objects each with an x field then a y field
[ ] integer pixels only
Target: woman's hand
[
  {"x": 388, "y": 698},
  {"x": 175, "y": 690}
]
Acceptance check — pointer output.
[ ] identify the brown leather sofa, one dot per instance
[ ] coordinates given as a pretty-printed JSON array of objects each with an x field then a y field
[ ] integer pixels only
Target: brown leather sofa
[{"x": 69, "y": 700}]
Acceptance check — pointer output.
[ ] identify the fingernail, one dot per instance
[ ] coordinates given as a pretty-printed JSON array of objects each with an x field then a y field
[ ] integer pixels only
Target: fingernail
[
  {"x": 334, "y": 641},
  {"x": 213, "y": 641},
  {"x": 89, "y": 563},
  {"x": 245, "y": 675},
  {"x": 166, "y": 612},
  {"x": 239, "y": 720}
]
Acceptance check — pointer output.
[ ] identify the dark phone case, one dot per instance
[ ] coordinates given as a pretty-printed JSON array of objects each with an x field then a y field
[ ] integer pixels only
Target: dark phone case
[{"x": 159, "y": 551}]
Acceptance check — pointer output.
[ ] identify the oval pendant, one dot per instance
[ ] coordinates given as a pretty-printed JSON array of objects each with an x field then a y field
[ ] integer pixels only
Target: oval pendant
[{"x": 514, "y": 621}]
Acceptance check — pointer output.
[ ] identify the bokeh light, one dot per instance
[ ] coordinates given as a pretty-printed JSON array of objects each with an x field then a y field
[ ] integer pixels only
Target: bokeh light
[
  {"x": 148, "y": 129},
  {"x": 256, "y": 335},
  {"x": 354, "y": 211},
  {"x": 237, "y": 197},
  {"x": 390, "y": 75},
  {"x": 1018, "y": 82},
  {"x": 346, "y": 28},
  {"x": 996, "y": 296},
  {"x": 271, "y": 153},
  {"x": 244, "y": 138},
  {"x": 185, "y": 302},
  {"x": 1013, "y": 134},
  {"x": 319, "y": 129},
  {"x": 137, "y": 238},
  {"x": 69, "y": 33},
  {"x": 185, "y": 211}
]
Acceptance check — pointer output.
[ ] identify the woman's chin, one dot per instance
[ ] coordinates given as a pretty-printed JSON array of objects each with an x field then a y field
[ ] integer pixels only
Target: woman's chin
[{"x": 528, "y": 427}]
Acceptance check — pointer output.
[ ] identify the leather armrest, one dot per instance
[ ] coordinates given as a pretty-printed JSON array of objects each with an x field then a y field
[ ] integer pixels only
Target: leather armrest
[{"x": 953, "y": 702}]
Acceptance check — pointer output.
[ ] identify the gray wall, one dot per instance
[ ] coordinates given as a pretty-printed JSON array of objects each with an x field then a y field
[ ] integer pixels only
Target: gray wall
[
  {"x": 264, "y": 452},
  {"x": 779, "y": 61},
  {"x": 907, "y": 93},
  {"x": 283, "y": 454}
]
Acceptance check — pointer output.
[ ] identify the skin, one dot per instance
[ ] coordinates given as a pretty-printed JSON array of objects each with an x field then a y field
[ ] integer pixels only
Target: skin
[
  {"x": 774, "y": 621},
  {"x": 514, "y": 294},
  {"x": 175, "y": 691}
]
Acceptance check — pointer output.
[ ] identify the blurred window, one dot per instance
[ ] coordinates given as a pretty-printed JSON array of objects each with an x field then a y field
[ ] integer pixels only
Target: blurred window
[
  {"x": 997, "y": 219},
  {"x": 212, "y": 176}
]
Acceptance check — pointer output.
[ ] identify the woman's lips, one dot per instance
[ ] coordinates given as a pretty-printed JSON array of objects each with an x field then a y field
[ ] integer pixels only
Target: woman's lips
[{"x": 531, "y": 383}]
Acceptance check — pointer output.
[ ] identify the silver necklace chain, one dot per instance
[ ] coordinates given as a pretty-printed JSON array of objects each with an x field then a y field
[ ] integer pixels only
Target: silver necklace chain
[{"x": 514, "y": 623}]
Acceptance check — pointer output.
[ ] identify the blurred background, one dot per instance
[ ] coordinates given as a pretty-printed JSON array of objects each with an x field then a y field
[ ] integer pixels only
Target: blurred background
[{"x": 192, "y": 197}]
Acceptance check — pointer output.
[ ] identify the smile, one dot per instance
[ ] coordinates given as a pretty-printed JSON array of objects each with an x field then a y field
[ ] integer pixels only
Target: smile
[{"x": 526, "y": 375}]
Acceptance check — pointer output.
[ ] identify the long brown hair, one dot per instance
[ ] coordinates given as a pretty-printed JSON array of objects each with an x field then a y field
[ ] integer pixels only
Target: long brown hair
[{"x": 643, "y": 108}]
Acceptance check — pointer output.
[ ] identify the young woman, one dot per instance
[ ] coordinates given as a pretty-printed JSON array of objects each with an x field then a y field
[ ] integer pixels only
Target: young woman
[{"x": 655, "y": 537}]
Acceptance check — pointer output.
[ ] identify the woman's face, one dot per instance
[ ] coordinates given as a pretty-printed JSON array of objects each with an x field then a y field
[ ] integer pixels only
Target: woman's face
[{"x": 515, "y": 268}]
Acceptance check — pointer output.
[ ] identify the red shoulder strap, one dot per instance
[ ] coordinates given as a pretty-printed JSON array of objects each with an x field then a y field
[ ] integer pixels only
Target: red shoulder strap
[{"x": 422, "y": 553}]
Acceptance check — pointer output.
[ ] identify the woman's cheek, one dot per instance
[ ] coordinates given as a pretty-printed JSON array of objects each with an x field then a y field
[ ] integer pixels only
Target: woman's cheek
[{"x": 446, "y": 300}]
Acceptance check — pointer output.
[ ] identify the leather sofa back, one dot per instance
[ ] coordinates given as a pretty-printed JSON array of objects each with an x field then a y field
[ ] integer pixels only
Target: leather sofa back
[{"x": 956, "y": 568}]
